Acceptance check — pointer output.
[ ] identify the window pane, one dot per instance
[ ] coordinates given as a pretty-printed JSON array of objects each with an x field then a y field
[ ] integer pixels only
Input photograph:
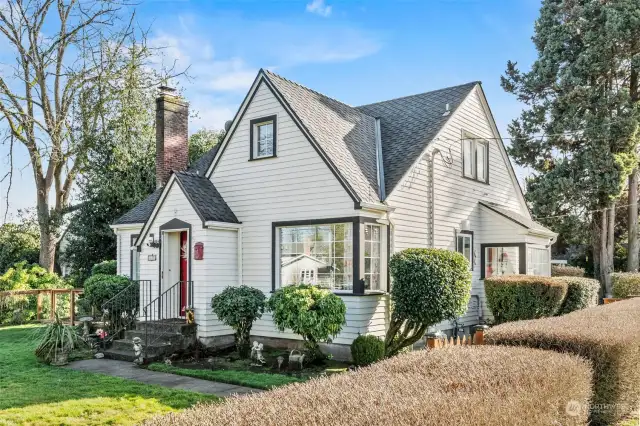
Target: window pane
[
  {"x": 538, "y": 261},
  {"x": 481, "y": 161},
  {"x": 312, "y": 255},
  {"x": 502, "y": 261},
  {"x": 372, "y": 250},
  {"x": 464, "y": 245},
  {"x": 467, "y": 148},
  {"x": 265, "y": 140}
]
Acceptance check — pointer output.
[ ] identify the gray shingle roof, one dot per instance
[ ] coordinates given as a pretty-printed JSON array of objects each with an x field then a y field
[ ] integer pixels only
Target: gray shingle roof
[
  {"x": 409, "y": 124},
  {"x": 346, "y": 135},
  {"x": 516, "y": 217},
  {"x": 141, "y": 212},
  {"x": 205, "y": 198}
]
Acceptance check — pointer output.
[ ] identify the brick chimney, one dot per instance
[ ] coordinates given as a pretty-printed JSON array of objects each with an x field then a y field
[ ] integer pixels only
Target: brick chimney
[{"x": 172, "y": 134}]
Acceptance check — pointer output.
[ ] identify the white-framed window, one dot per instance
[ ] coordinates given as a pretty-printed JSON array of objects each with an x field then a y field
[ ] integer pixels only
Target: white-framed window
[
  {"x": 263, "y": 137},
  {"x": 538, "y": 262},
  {"x": 316, "y": 254},
  {"x": 501, "y": 261},
  {"x": 372, "y": 257},
  {"x": 475, "y": 158},
  {"x": 464, "y": 245}
]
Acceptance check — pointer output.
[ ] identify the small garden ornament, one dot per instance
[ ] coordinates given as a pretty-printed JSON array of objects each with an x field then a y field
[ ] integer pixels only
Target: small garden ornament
[
  {"x": 137, "y": 349},
  {"x": 296, "y": 357},
  {"x": 280, "y": 361},
  {"x": 256, "y": 355}
]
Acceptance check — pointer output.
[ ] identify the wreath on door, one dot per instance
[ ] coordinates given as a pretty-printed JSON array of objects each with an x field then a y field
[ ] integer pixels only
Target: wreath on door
[{"x": 183, "y": 251}]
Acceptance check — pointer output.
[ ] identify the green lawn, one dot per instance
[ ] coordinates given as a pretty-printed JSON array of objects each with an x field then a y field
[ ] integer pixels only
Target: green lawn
[
  {"x": 35, "y": 394},
  {"x": 235, "y": 377}
]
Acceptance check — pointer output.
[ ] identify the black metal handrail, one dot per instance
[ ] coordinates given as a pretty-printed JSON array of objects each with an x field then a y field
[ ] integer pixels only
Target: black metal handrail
[
  {"x": 169, "y": 305},
  {"x": 121, "y": 311}
]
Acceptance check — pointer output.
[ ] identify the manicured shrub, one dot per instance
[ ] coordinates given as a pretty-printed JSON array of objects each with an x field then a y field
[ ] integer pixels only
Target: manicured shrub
[
  {"x": 108, "y": 267},
  {"x": 607, "y": 335},
  {"x": 429, "y": 286},
  {"x": 100, "y": 288},
  {"x": 482, "y": 385},
  {"x": 520, "y": 297},
  {"x": 581, "y": 293},
  {"x": 366, "y": 350},
  {"x": 239, "y": 307},
  {"x": 315, "y": 314},
  {"x": 566, "y": 271},
  {"x": 625, "y": 284}
]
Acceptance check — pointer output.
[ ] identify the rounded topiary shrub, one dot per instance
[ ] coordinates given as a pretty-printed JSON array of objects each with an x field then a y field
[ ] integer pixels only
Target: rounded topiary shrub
[
  {"x": 566, "y": 271},
  {"x": 521, "y": 297},
  {"x": 429, "y": 286},
  {"x": 625, "y": 284},
  {"x": 581, "y": 293},
  {"x": 108, "y": 267},
  {"x": 315, "y": 314},
  {"x": 239, "y": 307},
  {"x": 366, "y": 350},
  {"x": 99, "y": 288}
]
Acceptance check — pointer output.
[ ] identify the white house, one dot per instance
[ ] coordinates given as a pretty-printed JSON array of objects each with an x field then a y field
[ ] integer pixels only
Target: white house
[{"x": 306, "y": 188}]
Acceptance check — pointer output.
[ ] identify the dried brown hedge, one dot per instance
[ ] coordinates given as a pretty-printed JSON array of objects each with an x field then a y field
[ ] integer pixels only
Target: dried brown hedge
[
  {"x": 607, "y": 335},
  {"x": 481, "y": 385},
  {"x": 566, "y": 271}
]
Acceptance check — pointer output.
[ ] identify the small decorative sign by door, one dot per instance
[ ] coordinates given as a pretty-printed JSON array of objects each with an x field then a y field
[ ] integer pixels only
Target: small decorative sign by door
[{"x": 198, "y": 251}]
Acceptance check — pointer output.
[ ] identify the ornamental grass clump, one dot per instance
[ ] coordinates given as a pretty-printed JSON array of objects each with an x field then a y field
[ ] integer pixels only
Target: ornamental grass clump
[
  {"x": 481, "y": 385},
  {"x": 521, "y": 297},
  {"x": 607, "y": 335},
  {"x": 625, "y": 284}
]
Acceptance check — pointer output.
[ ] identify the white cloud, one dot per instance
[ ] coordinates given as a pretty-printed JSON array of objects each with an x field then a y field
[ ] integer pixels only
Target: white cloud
[{"x": 319, "y": 8}]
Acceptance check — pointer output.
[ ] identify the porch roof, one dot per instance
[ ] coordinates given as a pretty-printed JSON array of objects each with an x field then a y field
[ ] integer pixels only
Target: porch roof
[{"x": 531, "y": 225}]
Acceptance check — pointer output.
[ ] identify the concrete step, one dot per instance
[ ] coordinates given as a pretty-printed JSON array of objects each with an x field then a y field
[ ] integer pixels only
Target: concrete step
[
  {"x": 120, "y": 355},
  {"x": 178, "y": 326},
  {"x": 174, "y": 338},
  {"x": 155, "y": 347}
]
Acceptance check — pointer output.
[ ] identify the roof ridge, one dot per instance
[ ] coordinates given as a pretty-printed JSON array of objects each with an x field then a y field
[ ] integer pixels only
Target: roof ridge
[
  {"x": 315, "y": 91},
  {"x": 419, "y": 94}
]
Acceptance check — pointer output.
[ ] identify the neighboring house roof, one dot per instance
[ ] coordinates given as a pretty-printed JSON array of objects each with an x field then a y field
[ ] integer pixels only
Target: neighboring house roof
[
  {"x": 409, "y": 124},
  {"x": 205, "y": 198},
  {"x": 297, "y": 258},
  {"x": 345, "y": 134},
  {"x": 517, "y": 218}
]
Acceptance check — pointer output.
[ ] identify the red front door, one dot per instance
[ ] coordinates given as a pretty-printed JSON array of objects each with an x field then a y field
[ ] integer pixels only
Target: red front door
[{"x": 184, "y": 271}]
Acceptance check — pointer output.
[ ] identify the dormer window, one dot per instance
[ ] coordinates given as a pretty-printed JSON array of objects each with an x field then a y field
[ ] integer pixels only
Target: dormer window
[
  {"x": 263, "y": 138},
  {"x": 475, "y": 158}
]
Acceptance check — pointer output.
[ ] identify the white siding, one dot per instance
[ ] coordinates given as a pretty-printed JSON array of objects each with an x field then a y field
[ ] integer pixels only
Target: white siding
[
  {"x": 456, "y": 198},
  {"x": 296, "y": 185},
  {"x": 123, "y": 253}
]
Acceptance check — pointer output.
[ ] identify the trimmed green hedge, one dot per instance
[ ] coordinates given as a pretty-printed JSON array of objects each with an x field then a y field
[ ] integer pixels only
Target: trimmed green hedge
[
  {"x": 625, "y": 284},
  {"x": 366, "y": 350},
  {"x": 581, "y": 293},
  {"x": 101, "y": 287},
  {"x": 566, "y": 271},
  {"x": 521, "y": 297},
  {"x": 108, "y": 267}
]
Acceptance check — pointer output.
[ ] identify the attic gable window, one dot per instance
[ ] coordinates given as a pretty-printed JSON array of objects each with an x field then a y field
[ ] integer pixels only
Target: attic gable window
[
  {"x": 263, "y": 138},
  {"x": 475, "y": 158}
]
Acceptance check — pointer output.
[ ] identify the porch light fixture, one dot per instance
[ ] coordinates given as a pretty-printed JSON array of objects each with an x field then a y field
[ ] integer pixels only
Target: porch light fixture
[{"x": 152, "y": 241}]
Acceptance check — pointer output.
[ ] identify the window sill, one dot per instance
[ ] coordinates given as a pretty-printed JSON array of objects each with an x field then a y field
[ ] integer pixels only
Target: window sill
[
  {"x": 475, "y": 180},
  {"x": 263, "y": 158}
]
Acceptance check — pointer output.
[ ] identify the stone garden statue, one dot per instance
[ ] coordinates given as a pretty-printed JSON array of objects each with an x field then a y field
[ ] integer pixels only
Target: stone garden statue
[
  {"x": 137, "y": 349},
  {"x": 296, "y": 357},
  {"x": 256, "y": 354}
]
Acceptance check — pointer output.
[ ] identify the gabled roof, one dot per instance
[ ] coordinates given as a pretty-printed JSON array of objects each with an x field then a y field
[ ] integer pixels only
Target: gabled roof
[
  {"x": 205, "y": 198},
  {"x": 346, "y": 135},
  {"x": 517, "y": 218},
  {"x": 410, "y": 123}
]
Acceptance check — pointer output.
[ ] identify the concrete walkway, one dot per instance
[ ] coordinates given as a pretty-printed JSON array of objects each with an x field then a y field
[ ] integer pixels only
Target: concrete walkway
[{"x": 128, "y": 370}]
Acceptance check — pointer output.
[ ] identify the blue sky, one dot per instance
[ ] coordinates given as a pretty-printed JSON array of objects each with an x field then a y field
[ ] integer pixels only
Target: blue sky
[{"x": 356, "y": 51}]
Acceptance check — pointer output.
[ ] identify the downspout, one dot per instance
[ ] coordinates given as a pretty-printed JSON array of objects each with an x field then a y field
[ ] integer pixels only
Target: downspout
[{"x": 432, "y": 202}]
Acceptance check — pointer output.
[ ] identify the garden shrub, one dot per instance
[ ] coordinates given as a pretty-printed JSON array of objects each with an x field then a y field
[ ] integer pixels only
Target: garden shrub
[
  {"x": 566, "y": 271},
  {"x": 520, "y": 297},
  {"x": 239, "y": 307},
  {"x": 581, "y": 293},
  {"x": 625, "y": 284},
  {"x": 315, "y": 314},
  {"x": 20, "y": 309},
  {"x": 108, "y": 267},
  {"x": 429, "y": 286},
  {"x": 99, "y": 288},
  {"x": 607, "y": 335},
  {"x": 366, "y": 350},
  {"x": 482, "y": 385}
]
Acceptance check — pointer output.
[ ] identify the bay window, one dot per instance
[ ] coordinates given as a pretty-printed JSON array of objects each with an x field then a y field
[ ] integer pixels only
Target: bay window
[
  {"x": 538, "y": 262},
  {"x": 372, "y": 256},
  {"x": 503, "y": 259}
]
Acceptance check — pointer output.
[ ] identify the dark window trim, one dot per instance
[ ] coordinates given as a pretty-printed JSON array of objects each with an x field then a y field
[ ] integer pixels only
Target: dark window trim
[
  {"x": 356, "y": 221},
  {"x": 134, "y": 237},
  {"x": 522, "y": 256},
  {"x": 475, "y": 140},
  {"x": 173, "y": 225},
  {"x": 252, "y": 125},
  {"x": 472, "y": 242}
]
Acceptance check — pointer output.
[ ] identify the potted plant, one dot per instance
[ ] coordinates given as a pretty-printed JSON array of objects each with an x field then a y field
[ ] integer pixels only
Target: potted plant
[{"x": 55, "y": 341}]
